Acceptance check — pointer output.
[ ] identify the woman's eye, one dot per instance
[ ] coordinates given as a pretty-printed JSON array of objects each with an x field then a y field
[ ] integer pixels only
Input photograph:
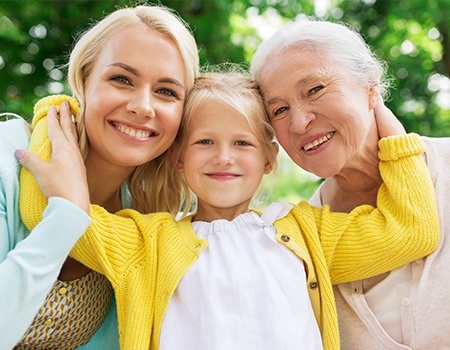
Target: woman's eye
[
  {"x": 315, "y": 89},
  {"x": 241, "y": 143},
  {"x": 167, "y": 92},
  {"x": 121, "y": 79},
  {"x": 279, "y": 111}
]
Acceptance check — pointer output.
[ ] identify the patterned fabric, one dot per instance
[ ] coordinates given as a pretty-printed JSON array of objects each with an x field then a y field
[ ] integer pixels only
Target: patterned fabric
[{"x": 70, "y": 315}]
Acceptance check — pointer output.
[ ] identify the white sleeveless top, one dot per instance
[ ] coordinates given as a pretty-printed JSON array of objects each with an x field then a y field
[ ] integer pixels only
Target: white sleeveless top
[{"x": 245, "y": 291}]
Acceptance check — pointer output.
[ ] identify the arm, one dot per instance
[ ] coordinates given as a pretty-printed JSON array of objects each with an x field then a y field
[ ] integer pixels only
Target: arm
[
  {"x": 112, "y": 240},
  {"x": 31, "y": 268},
  {"x": 29, "y": 262},
  {"x": 405, "y": 225}
]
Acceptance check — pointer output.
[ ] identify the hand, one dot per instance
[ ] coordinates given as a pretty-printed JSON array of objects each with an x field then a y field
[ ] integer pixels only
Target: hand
[
  {"x": 387, "y": 122},
  {"x": 65, "y": 175}
]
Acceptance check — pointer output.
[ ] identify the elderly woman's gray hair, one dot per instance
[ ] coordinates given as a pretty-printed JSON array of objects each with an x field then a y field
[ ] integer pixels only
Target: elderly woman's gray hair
[{"x": 338, "y": 41}]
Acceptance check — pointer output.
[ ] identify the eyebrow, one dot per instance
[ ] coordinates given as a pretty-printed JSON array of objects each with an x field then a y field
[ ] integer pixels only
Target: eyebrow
[
  {"x": 136, "y": 73},
  {"x": 303, "y": 81}
]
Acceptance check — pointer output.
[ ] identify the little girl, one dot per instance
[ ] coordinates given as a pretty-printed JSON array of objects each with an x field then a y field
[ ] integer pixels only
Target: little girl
[{"x": 227, "y": 277}]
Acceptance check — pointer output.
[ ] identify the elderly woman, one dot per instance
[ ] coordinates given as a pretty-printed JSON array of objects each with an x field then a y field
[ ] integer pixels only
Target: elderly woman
[{"x": 320, "y": 83}]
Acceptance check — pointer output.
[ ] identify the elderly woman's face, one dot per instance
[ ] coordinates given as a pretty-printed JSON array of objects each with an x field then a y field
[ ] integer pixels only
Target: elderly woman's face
[
  {"x": 322, "y": 116},
  {"x": 134, "y": 97}
]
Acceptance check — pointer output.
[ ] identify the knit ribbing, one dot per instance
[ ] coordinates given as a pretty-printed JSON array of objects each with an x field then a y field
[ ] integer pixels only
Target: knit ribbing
[{"x": 40, "y": 144}]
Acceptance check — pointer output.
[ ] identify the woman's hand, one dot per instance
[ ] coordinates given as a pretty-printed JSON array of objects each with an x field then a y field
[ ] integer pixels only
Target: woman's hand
[
  {"x": 65, "y": 175},
  {"x": 387, "y": 122}
]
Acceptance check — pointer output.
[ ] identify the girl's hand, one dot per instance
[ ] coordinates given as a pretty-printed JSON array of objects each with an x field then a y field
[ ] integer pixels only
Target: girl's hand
[
  {"x": 387, "y": 122},
  {"x": 65, "y": 175}
]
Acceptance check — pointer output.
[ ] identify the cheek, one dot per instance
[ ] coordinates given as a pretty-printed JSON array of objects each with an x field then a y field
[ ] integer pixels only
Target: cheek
[
  {"x": 281, "y": 129},
  {"x": 173, "y": 119}
]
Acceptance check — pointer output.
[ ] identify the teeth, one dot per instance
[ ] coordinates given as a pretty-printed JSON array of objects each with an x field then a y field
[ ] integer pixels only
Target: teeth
[
  {"x": 318, "y": 142},
  {"x": 139, "y": 134}
]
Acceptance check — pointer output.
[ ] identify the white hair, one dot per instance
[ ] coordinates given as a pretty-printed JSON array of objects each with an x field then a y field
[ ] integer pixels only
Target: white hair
[{"x": 339, "y": 41}]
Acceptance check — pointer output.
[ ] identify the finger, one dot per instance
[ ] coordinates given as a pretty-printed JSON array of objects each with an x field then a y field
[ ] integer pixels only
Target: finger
[
  {"x": 387, "y": 122},
  {"x": 30, "y": 161},
  {"x": 67, "y": 123},
  {"x": 54, "y": 130}
]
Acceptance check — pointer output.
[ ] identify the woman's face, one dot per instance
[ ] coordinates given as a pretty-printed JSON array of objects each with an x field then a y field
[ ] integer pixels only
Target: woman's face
[
  {"x": 134, "y": 98},
  {"x": 322, "y": 116}
]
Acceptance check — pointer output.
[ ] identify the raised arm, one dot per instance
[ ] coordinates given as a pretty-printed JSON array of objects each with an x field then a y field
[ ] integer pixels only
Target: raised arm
[
  {"x": 404, "y": 226},
  {"x": 111, "y": 240}
]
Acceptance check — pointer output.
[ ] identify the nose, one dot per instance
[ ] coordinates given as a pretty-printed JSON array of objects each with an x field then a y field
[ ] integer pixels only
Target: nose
[
  {"x": 142, "y": 104},
  {"x": 301, "y": 120},
  {"x": 224, "y": 156}
]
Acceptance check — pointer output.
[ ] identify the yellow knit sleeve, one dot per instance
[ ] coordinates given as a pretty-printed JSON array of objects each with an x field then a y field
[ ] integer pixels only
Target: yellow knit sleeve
[
  {"x": 114, "y": 244},
  {"x": 404, "y": 226},
  {"x": 31, "y": 201}
]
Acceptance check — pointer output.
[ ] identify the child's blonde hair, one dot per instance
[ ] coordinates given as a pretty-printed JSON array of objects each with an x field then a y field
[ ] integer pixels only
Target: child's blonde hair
[{"x": 230, "y": 85}]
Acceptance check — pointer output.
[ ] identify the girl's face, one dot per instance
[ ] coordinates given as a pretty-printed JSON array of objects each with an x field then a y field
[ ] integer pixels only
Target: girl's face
[
  {"x": 223, "y": 161},
  {"x": 134, "y": 98},
  {"x": 322, "y": 116}
]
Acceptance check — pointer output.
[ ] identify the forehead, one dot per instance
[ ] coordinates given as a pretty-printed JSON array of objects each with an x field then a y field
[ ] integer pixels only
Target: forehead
[
  {"x": 141, "y": 45},
  {"x": 214, "y": 115},
  {"x": 294, "y": 67}
]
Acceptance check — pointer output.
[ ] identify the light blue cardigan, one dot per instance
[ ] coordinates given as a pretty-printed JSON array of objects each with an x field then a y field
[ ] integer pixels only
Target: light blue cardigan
[{"x": 30, "y": 262}]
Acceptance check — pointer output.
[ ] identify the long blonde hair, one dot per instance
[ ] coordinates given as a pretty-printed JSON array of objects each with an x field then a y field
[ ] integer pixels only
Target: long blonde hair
[
  {"x": 154, "y": 186},
  {"x": 227, "y": 84}
]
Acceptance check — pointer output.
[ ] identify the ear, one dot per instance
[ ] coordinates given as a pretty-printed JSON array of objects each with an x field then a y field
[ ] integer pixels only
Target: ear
[
  {"x": 268, "y": 167},
  {"x": 175, "y": 157},
  {"x": 374, "y": 95}
]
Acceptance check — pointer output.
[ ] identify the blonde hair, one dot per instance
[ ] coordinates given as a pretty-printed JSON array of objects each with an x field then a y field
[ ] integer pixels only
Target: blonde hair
[
  {"x": 227, "y": 84},
  {"x": 154, "y": 186}
]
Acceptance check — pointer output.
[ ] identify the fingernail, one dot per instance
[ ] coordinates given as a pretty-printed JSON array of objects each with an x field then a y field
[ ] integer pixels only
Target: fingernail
[{"x": 19, "y": 153}]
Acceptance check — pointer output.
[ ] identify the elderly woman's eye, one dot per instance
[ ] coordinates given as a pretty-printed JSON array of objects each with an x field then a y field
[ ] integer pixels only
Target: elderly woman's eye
[
  {"x": 316, "y": 89},
  {"x": 279, "y": 111}
]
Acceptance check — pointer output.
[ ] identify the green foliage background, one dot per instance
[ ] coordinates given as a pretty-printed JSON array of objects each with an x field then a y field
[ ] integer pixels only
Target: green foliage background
[{"x": 413, "y": 36}]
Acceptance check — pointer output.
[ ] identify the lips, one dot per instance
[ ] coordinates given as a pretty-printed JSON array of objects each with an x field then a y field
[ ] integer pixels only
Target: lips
[
  {"x": 316, "y": 143},
  {"x": 223, "y": 176},
  {"x": 133, "y": 132}
]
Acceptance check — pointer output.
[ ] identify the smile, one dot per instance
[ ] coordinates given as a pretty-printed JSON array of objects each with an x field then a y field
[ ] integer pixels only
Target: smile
[
  {"x": 318, "y": 142},
  {"x": 132, "y": 132},
  {"x": 223, "y": 176}
]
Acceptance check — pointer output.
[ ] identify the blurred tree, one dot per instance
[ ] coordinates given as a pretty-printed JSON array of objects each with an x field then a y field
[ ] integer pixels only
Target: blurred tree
[
  {"x": 416, "y": 44},
  {"x": 36, "y": 37}
]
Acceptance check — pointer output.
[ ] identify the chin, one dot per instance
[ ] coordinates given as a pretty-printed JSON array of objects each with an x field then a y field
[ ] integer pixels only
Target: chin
[{"x": 324, "y": 173}]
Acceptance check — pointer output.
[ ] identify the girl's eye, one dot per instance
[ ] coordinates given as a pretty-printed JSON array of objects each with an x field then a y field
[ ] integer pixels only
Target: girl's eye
[
  {"x": 121, "y": 79},
  {"x": 241, "y": 143},
  {"x": 316, "y": 89},
  {"x": 205, "y": 142}
]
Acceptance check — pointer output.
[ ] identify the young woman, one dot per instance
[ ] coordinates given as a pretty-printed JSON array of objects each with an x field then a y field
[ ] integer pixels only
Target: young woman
[
  {"x": 227, "y": 277},
  {"x": 130, "y": 74},
  {"x": 316, "y": 78}
]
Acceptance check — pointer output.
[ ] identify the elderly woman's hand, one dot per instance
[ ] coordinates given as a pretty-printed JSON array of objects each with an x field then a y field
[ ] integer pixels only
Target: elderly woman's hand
[
  {"x": 387, "y": 122},
  {"x": 65, "y": 175}
]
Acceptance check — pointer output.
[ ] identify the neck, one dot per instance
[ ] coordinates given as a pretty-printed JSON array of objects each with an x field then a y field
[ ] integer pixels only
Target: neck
[
  {"x": 210, "y": 213},
  {"x": 352, "y": 188},
  {"x": 104, "y": 185}
]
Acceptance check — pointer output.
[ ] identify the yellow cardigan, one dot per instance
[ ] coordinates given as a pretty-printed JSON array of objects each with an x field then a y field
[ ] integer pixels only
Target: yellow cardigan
[{"x": 145, "y": 256}]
